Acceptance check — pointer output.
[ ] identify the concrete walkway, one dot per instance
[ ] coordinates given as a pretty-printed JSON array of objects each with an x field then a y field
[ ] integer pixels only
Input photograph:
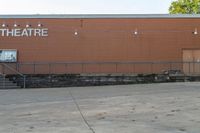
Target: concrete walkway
[{"x": 149, "y": 108}]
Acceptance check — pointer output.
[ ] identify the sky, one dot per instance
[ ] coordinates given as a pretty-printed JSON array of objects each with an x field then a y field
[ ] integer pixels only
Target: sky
[{"x": 84, "y": 6}]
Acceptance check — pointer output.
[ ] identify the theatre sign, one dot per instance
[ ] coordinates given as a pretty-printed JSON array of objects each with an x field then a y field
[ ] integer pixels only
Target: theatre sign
[{"x": 27, "y": 32}]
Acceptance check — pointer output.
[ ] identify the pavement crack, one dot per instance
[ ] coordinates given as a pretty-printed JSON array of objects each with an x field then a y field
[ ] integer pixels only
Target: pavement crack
[{"x": 81, "y": 113}]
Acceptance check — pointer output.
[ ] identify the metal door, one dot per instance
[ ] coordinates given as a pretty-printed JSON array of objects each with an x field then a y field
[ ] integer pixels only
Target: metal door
[
  {"x": 196, "y": 57},
  {"x": 191, "y": 61},
  {"x": 187, "y": 58}
]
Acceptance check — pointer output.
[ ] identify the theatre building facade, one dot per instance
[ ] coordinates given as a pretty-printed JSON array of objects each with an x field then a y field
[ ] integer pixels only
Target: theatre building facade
[{"x": 77, "y": 44}]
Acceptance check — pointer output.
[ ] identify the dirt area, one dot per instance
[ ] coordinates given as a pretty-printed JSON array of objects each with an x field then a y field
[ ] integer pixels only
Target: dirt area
[{"x": 147, "y": 108}]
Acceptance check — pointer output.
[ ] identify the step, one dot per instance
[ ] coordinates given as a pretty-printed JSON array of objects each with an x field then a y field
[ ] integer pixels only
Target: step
[
  {"x": 10, "y": 87},
  {"x": 5, "y": 83},
  {"x": 8, "y": 84},
  {"x": 1, "y": 79}
]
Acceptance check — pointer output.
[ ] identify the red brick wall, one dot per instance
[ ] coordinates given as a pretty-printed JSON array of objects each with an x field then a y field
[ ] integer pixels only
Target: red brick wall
[{"x": 104, "y": 40}]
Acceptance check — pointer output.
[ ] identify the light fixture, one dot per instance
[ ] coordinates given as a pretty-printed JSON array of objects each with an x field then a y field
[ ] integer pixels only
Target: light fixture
[
  {"x": 16, "y": 25},
  {"x": 135, "y": 32},
  {"x": 195, "y": 31},
  {"x": 76, "y": 33},
  {"x": 28, "y": 25},
  {"x": 4, "y": 25},
  {"x": 40, "y": 25}
]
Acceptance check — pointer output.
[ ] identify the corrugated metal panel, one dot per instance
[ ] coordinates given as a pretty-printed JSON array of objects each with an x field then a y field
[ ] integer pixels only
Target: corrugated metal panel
[{"x": 102, "y": 16}]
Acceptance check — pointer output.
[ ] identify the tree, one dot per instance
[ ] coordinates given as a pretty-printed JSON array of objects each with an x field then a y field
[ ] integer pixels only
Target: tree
[{"x": 185, "y": 7}]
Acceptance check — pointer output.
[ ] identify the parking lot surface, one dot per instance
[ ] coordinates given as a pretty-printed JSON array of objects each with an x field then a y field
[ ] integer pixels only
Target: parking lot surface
[{"x": 144, "y": 108}]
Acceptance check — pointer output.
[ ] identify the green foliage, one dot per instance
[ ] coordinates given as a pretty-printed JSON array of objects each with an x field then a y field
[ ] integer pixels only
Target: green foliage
[{"x": 185, "y": 7}]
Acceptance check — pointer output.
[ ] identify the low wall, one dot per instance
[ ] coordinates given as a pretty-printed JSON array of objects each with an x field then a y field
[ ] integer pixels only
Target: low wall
[{"x": 72, "y": 80}]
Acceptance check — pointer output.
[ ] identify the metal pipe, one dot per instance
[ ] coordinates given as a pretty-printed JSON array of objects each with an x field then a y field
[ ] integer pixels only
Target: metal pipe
[
  {"x": 24, "y": 81},
  {"x": 4, "y": 81}
]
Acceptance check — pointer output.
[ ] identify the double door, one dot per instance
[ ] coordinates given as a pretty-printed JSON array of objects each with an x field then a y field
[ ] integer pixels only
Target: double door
[{"x": 191, "y": 61}]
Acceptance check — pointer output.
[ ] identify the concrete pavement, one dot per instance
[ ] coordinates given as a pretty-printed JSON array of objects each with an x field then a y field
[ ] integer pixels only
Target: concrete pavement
[{"x": 144, "y": 108}]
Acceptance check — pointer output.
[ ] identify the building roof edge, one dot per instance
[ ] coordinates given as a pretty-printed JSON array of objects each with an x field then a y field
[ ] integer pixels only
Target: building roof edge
[{"x": 82, "y": 16}]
